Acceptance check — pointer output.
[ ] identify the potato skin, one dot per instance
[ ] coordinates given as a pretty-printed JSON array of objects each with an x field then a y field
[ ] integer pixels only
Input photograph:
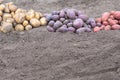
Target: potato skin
[
  {"x": 43, "y": 21},
  {"x": 28, "y": 27},
  {"x": 6, "y": 27},
  {"x": 71, "y": 14},
  {"x": 19, "y": 27},
  {"x": 19, "y": 18},
  {"x": 35, "y": 22},
  {"x": 78, "y": 23}
]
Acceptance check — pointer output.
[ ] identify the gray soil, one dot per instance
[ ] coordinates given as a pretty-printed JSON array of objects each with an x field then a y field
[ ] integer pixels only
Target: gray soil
[{"x": 40, "y": 55}]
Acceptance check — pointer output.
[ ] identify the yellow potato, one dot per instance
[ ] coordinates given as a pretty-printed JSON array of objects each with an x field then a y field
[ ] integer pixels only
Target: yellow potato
[
  {"x": 35, "y": 22},
  {"x": 28, "y": 27},
  {"x": 6, "y": 27},
  {"x": 6, "y": 15},
  {"x": 12, "y": 7},
  {"x": 37, "y": 15},
  {"x": 20, "y": 10},
  {"x": 19, "y": 17},
  {"x": 25, "y": 23},
  {"x": 43, "y": 21},
  {"x": 2, "y": 7},
  {"x": 30, "y": 14},
  {"x": 6, "y": 8},
  {"x": 12, "y": 13},
  {"x": 41, "y": 15},
  {"x": 10, "y": 20},
  {"x": 19, "y": 27},
  {"x": 1, "y": 13}
]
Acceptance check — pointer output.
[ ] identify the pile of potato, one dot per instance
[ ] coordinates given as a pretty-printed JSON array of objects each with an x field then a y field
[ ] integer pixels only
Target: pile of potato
[
  {"x": 70, "y": 20},
  {"x": 108, "y": 21},
  {"x": 14, "y": 18}
]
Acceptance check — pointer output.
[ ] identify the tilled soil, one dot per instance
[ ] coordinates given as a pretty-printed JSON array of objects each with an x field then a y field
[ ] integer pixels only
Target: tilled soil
[{"x": 40, "y": 55}]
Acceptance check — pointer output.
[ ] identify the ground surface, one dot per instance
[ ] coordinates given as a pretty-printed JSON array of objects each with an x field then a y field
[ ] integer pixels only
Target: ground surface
[{"x": 40, "y": 55}]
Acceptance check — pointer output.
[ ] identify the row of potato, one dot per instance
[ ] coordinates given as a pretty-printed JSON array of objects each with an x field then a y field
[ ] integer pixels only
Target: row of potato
[
  {"x": 65, "y": 20},
  {"x": 14, "y": 18}
]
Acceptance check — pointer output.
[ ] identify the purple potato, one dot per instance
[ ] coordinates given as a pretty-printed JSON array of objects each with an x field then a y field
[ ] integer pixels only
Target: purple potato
[
  {"x": 50, "y": 29},
  {"x": 89, "y": 26},
  {"x": 63, "y": 29},
  {"x": 79, "y": 30},
  {"x": 57, "y": 24},
  {"x": 99, "y": 24},
  {"x": 48, "y": 17},
  {"x": 71, "y": 29},
  {"x": 88, "y": 29},
  {"x": 66, "y": 22},
  {"x": 62, "y": 14},
  {"x": 62, "y": 19},
  {"x": 70, "y": 24},
  {"x": 83, "y": 17},
  {"x": 51, "y": 23},
  {"x": 55, "y": 13},
  {"x": 55, "y": 17},
  {"x": 79, "y": 13},
  {"x": 71, "y": 14},
  {"x": 78, "y": 23},
  {"x": 92, "y": 22}
]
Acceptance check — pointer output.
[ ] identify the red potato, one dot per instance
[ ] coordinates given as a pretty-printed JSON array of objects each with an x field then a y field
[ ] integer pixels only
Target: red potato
[
  {"x": 112, "y": 22},
  {"x": 96, "y": 29},
  {"x": 102, "y": 27},
  {"x": 105, "y": 16},
  {"x": 108, "y": 27},
  {"x": 112, "y": 17},
  {"x": 119, "y": 22},
  {"x": 112, "y": 12},
  {"x": 105, "y": 23},
  {"x": 117, "y": 15},
  {"x": 99, "y": 20},
  {"x": 116, "y": 27}
]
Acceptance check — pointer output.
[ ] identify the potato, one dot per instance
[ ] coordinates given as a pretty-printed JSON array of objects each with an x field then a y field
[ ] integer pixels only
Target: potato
[
  {"x": 66, "y": 22},
  {"x": 35, "y": 22},
  {"x": 99, "y": 20},
  {"x": 80, "y": 30},
  {"x": 25, "y": 23},
  {"x": 92, "y": 22},
  {"x": 71, "y": 14},
  {"x": 57, "y": 24},
  {"x": 117, "y": 15},
  {"x": 116, "y": 27},
  {"x": 12, "y": 7},
  {"x": 62, "y": 14},
  {"x": 62, "y": 19},
  {"x": 19, "y": 17},
  {"x": 112, "y": 12},
  {"x": 112, "y": 22},
  {"x": 37, "y": 15},
  {"x": 88, "y": 29},
  {"x": 105, "y": 16},
  {"x": 43, "y": 21},
  {"x": 6, "y": 27},
  {"x": 70, "y": 24},
  {"x": 63, "y": 29},
  {"x": 105, "y": 23},
  {"x": 13, "y": 14},
  {"x": 55, "y": 13},
  {"x": 20, "y": 10},
  {"x": 2, "y": 7},
  {"x": 78, "y": 23},
  {"x": 51, "y": 23},
  {"x": 6, "y": 8},
  {"x": 10, "y": 20},
  {"x": 96, "y": 29},
  {"x": 112, "y": 17},
  {"x": 48, "y": 17},
  {"x": 98, "y": 24},
  {"x": 19, "y": 27},
  {"x": 55, "y": 17},
  {"x": 30, "y": 14},
  {"x": 108, "y": 27},
  {"x": 83, "y": 17},
  {"x": 102, "y": 27},
  {"x": 50, "y": 29},
  {"x": 28, "y": 27},
  {"x": 71, "y": 29},
  {"x": 6, "y": 15}
]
